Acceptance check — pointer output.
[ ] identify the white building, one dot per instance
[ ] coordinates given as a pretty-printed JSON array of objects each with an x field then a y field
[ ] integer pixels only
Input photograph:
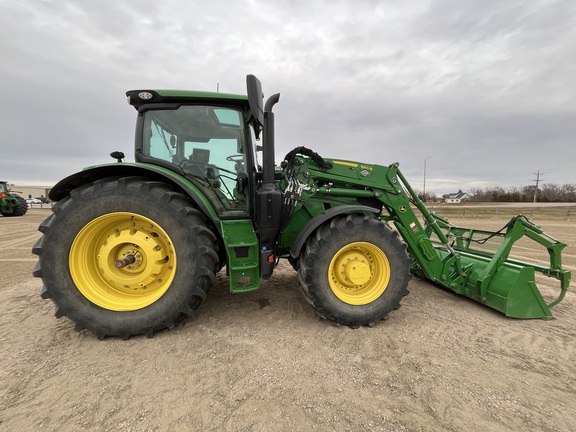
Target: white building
[{"x": 455, "y": 198}]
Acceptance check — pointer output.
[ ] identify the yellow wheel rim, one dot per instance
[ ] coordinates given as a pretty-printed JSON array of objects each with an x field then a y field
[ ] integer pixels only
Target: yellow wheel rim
[
  {"x": 144, "y": 250},
  {"x": 359, "y": 273}
]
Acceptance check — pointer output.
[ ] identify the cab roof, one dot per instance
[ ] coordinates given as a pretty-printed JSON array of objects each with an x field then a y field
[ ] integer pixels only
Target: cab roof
[{"x": 137, "y": 98}]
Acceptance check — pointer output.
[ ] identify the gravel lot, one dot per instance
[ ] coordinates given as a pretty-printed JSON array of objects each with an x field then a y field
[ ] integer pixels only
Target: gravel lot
[{"x": 263, "y": 361}]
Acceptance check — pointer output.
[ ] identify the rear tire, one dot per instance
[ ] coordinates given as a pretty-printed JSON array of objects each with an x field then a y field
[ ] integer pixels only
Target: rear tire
[
  {"x": 354, "y": 270},
  {"x": 102, "y": 222}
]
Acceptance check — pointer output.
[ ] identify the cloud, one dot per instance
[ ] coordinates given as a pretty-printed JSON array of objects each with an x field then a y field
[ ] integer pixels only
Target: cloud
[{"x": 484, "y": 88}]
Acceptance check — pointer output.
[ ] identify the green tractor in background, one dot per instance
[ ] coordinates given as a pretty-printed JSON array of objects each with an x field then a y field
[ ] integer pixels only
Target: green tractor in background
[
  {"x": 132, "y": 248},
  {"x": 11, "y": 204}
]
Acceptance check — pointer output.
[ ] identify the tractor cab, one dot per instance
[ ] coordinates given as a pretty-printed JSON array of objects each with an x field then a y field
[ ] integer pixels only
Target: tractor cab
[
  {"x": 3, "y": 188},
  {"x": 205, "y": 137}
]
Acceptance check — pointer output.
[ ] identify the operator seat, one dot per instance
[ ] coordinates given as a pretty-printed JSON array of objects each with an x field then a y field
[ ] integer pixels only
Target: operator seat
[{"x": 195, "y": 164}]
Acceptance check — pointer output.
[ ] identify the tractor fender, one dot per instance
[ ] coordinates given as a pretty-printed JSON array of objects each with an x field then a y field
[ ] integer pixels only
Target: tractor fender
[
  {"x": 63, "y": 188},
  {"x": 318, "y": 220}
]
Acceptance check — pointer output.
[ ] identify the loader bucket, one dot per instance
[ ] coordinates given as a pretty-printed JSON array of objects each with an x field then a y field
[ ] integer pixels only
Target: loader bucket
[{"x": 477, "y": 264}]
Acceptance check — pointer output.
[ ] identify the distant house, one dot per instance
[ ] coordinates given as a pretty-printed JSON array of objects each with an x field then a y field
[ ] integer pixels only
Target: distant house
[{"x": 455, "y": 198}]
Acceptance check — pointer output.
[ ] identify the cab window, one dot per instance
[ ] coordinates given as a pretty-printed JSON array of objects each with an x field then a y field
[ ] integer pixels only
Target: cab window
[{"x": 208, "y": 143}]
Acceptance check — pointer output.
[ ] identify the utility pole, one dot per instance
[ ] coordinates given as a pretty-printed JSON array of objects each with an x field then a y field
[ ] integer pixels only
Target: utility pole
[
  {"x": 424, "y": 186},
  {"x": 537, "y": 180}
]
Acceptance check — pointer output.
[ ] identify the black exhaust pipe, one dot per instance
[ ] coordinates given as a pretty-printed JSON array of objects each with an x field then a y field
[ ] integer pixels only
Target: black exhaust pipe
[
  {"x": 268, "y": 198},
  {"x": 268, "y": 140}
]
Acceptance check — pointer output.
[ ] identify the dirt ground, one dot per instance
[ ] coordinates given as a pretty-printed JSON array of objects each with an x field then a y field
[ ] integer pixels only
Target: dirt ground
[{"x": 263, "y": 361}]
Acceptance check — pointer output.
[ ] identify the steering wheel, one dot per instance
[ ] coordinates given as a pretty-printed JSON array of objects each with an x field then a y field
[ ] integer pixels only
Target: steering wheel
[{"x": 235, "y": 158}]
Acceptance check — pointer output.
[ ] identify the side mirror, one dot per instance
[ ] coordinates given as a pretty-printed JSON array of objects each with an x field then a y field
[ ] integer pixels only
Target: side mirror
[{"x": 118, "y": 155}]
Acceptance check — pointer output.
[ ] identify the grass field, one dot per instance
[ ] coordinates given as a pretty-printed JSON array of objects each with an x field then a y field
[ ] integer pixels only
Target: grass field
[{"x": 505, "y": 210}]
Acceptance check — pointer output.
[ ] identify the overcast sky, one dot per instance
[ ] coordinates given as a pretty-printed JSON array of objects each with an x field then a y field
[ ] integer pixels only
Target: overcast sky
[{"x": 485, "y": 89}]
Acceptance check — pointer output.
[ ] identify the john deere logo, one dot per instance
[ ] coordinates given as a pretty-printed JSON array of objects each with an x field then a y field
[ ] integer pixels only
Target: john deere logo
[{"x": 145, "y": 95}]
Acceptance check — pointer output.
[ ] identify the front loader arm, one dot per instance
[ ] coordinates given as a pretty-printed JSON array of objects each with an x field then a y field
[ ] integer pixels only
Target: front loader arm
[{"x": 398, "y": 205}]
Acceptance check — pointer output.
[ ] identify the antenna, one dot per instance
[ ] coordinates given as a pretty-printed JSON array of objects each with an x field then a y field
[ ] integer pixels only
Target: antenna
[{"x": 217, "y": 87}]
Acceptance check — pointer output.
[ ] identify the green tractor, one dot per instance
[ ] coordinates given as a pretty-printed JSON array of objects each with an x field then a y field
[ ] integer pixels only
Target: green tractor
[
  {"x": 132, "y": 248},
  {"x": 11, "y": 204}
]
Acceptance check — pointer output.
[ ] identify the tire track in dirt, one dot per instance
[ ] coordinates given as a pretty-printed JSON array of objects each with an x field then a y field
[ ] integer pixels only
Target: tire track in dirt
[{"x": 28, "y": 240}]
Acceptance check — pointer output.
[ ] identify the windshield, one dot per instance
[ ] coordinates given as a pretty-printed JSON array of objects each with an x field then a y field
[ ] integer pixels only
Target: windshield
[{"x": 208, "y": 143}]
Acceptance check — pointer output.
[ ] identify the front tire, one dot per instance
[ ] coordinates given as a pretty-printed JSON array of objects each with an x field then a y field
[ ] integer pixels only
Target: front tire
[
  {"x": 164, "y": 246},
  {"x": 354, "y": 270}
]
